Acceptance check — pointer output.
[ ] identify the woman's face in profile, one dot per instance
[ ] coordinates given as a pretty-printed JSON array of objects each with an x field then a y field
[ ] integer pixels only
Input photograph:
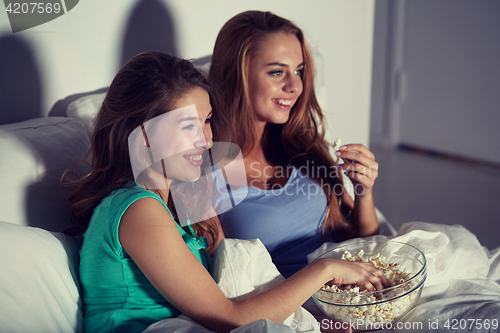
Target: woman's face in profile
[
  {"x": 275, "y": 77},
  {"x": 176, "y": 140},
  {"x": 190, "y": 134}
]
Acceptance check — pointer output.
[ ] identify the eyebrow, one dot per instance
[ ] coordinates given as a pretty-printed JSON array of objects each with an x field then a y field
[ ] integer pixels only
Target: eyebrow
[
  {"x": 281, "y": 64},
  {"x": 186, "y": 119}
]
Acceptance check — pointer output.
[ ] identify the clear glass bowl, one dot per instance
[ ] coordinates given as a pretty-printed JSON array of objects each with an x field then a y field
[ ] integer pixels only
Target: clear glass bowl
[{"x": 378, "y": 308}]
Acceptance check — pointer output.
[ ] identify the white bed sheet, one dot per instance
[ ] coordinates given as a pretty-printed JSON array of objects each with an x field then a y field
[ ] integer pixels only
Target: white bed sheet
[{"x": 462, "y": 286}]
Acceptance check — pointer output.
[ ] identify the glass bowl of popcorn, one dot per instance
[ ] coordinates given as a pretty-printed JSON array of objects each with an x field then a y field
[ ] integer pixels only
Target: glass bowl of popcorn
[{"x": 404, "y": 267}]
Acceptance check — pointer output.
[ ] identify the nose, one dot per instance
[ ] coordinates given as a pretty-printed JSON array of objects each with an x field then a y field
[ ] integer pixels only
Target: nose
[
  {"x": 204, "y": 139},
  {"x": 293, "y": 84}
]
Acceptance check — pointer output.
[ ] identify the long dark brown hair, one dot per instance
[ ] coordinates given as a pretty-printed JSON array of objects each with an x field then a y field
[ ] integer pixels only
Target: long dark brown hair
[
  {"x": 298, "y": 142},
  {"x": 147, "y": 86}
]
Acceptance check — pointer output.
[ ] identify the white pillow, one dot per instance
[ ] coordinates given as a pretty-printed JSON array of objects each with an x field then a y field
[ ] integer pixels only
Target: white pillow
[
  {"x": 34, "y": 155},
  {"x": 243, "y": 268},
  {"x": 39, "y": 288},
  {"x": 85, "y": 109}
]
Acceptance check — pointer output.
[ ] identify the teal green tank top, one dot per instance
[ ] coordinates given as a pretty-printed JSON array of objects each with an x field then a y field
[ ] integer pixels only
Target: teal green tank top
[{"x": 116, "y": 294}]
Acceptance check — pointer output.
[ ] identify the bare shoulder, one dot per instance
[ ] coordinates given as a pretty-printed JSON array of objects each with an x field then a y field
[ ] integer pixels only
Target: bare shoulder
[
  {"x": 145, "y": 207},
  {"x": 142, "y": 220}
]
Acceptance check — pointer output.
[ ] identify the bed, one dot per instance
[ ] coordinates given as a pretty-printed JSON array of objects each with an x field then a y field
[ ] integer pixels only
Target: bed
[{"x": 39, "y": 287}]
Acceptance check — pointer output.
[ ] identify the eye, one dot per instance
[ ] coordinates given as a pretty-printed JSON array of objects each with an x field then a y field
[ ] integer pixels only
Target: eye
[
  {"x": 189, "y": 127},
  {"x": 208, "y": 120},
  {"x": 276, "y": 73},
  {"x": 300, "y": 72}
]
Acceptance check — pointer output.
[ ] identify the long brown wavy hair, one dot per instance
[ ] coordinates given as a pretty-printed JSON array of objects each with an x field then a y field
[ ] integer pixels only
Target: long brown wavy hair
[
  {"x": 147, "y": 86},
  {"x": 301, "y": 140}
]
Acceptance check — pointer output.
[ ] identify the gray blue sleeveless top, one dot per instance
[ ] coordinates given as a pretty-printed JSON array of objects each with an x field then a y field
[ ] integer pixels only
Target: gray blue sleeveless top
[{"x": 288, "y": 220}]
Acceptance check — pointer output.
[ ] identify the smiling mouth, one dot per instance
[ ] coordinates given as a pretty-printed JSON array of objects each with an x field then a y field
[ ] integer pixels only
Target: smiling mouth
[
  {"x": 283, "y": 102},
  {"x": 194, "y": 159}
]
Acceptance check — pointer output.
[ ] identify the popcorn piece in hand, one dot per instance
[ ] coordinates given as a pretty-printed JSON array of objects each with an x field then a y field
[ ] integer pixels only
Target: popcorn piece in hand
[{"x": 337, "y": 144}]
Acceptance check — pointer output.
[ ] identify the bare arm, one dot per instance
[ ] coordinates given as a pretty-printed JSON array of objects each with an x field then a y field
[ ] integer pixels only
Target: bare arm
[
  {"x": 149, "y": 235},
  {"x": 364, "y": 218}
]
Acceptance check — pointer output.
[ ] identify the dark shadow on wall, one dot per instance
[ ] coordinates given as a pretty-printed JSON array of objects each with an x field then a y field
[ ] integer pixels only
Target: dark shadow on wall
[
  {"x": 150, "y": 26},
  {"x": 57, "y": 144},
  {"x": 20, "y": 83}
]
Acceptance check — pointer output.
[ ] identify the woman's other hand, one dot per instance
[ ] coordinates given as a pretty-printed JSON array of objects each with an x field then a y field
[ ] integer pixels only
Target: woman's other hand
[{"x": 363, "y": 274}]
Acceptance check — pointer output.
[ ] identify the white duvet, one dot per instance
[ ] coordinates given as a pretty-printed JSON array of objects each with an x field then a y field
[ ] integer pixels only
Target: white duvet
[
  {"x": 461, "y": 293},
  {"x": 462, "y": 290}
]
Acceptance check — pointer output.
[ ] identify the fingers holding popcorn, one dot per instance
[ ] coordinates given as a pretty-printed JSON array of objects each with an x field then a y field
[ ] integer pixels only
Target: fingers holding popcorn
[
  {"x": 359, "y": 164},
  {"x": 359, "y": 148},
  {"x": 360, "y": 273}
]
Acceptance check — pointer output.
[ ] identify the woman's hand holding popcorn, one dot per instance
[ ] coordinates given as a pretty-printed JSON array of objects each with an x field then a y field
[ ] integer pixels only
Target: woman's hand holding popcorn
[
  {"x": 360, "y": 166},
  {"x": 364, "y": 274}
]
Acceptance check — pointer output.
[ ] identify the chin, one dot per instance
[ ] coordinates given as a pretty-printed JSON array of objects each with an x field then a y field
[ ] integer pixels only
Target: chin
[
  {"x": 191, "y": 177},
  {"x": 280, "y": 121},
  {"x": 192, "y": 180}
]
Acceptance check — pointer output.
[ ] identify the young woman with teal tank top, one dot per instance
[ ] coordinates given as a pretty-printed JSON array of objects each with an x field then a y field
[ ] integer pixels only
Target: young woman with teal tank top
[
  {"x": 296, "y": 198},
  {"x": 138, "y": 265}
]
